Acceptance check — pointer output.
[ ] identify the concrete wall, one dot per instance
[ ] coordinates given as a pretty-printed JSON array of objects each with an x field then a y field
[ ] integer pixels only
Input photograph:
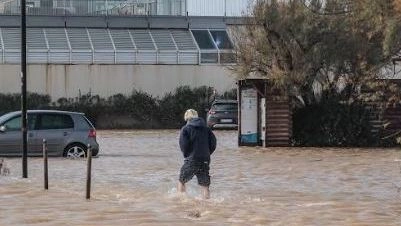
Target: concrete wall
[{"x": 106, "y": 80}]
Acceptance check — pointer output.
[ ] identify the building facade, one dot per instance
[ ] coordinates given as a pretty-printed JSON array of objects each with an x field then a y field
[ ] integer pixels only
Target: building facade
[{"x": 112, "y": 46}]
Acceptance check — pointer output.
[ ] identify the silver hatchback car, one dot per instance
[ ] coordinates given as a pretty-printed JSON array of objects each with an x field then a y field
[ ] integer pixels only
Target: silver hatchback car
[{"x": 67, "y": 133}]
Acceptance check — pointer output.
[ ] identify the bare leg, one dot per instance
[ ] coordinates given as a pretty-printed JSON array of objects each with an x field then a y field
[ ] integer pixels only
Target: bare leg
[
  {"x": 205, "y": 192},
  {"x": 1, "y": 165},
  {"x": 181, "y": 187}
]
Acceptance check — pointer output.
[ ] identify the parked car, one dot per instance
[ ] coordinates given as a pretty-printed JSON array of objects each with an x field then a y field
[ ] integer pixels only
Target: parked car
[
  {"x": 67, "y": 133},
  {"x": 223, "y": 114}
]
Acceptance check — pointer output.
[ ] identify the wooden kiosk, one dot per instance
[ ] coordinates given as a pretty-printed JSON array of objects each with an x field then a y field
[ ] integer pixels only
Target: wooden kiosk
[{"x": 264, "y": 115}]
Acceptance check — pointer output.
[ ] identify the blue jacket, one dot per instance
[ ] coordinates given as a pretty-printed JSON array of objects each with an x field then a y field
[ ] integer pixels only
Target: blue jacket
[{"x": 197, "y": 141}]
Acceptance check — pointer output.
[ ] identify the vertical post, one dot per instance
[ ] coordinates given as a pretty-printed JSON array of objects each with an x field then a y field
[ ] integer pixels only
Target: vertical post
[
  {"x": 107, "y": 8},
  {"x": 89, "y": 172},
  {"x": 225, "y": 7},
  {"x": 46, "y": 172},
  {"x": 23, "y": 92},
  {"x": 186, "y": 7},
  {"x": 239, "y": 90}
]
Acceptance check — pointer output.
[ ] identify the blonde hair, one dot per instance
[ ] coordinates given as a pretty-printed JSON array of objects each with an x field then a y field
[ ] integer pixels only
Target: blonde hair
[{"x": 190, "y": 114}]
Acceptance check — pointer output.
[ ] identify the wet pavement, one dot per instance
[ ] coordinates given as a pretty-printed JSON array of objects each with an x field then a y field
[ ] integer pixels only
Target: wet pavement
[{"x": 134, "y": 183}]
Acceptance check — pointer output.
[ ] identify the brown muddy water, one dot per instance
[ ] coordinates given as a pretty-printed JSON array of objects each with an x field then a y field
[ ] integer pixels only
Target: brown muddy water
[{"x": 134, "y": 183}]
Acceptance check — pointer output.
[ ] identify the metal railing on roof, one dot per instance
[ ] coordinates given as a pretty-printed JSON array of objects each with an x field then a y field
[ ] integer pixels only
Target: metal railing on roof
[
  {"x": 128, "y": 7},
  {"x": 109, "y": 46}
]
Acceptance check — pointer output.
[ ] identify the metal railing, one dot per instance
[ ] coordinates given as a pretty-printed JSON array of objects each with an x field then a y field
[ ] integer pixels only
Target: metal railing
[{"x": 128, "y": 7}]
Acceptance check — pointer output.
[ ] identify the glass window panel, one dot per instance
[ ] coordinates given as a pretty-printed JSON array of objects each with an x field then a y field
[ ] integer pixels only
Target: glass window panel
[
  {"x": 221, "y": 39},
  {"x": 56, "y": 121},
  {"x": 203, "y": 39},
  {"x": 13, "y": 124},
  {"x": 209, "y": 58}
]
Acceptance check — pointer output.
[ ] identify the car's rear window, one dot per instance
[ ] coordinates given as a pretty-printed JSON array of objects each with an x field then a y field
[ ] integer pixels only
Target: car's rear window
[{"x": 225, "y": 106}]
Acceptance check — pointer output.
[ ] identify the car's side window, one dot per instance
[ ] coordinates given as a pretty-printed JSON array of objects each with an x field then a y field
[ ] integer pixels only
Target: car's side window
[
  {"x": 55, "y": 121},
  {"x": 13, "y": 124}
]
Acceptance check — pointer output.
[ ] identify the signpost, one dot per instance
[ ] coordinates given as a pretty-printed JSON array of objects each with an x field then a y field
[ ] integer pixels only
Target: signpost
[{"x": 23, "y": 92}]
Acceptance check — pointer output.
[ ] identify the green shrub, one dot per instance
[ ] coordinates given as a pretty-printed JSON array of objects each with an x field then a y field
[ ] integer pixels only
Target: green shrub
[
  {"x": 12, "y": 102},
  {"x": 173, "y": 105},
  {"x": 230, "y": 95},
  {"x": 331, "y": 123},
  {"x": 150, "y": 112}
]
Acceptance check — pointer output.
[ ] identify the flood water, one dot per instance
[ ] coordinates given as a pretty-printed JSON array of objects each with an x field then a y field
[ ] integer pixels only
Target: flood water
[{"x": 134, "y": 183}]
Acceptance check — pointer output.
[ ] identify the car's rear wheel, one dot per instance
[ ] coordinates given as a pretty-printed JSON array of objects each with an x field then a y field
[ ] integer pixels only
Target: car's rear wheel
[{"x": 75, "y": 151}]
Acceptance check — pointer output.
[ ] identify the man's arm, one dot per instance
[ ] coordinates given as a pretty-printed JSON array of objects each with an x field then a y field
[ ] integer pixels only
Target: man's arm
[{"x": 184, "y": 142}]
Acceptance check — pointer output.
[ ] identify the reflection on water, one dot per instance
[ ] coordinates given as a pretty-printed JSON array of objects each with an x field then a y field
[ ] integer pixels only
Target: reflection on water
[{"x": 135, "y": 176}]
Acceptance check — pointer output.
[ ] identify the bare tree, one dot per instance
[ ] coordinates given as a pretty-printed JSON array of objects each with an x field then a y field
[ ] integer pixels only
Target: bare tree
[{"x": 327, "y": 45}]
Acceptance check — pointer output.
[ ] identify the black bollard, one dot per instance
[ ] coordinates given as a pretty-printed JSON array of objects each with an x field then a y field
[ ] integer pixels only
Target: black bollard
[
  {"x": 45, "y": 167},
  {"x": 89, "y": 172}
]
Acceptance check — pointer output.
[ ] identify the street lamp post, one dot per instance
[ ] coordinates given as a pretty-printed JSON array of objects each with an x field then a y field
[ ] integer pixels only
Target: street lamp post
[{"x": 23, "y": 92}]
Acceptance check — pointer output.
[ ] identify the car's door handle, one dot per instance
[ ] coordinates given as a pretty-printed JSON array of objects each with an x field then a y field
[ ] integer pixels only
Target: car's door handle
[
  {"x": 65, "y": 133},
  {"x": 30, "y": 134}
]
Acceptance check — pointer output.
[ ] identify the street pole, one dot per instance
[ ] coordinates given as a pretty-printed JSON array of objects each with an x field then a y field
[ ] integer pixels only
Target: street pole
[
  {"x": 23, "y": 92},
  {"x": 89, "y": 172},
  {"x": 225, "y": 7}
]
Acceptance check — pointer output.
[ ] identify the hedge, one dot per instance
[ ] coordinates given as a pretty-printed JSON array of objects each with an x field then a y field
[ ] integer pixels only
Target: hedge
[{"x": 139, "y": 109}]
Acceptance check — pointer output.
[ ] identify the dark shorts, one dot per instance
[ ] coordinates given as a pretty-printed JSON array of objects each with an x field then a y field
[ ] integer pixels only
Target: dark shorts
[{"x": 192, "y": 168}]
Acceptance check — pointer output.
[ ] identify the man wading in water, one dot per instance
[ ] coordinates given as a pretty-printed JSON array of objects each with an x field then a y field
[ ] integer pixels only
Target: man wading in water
[{"x": 197, "y": 143}]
